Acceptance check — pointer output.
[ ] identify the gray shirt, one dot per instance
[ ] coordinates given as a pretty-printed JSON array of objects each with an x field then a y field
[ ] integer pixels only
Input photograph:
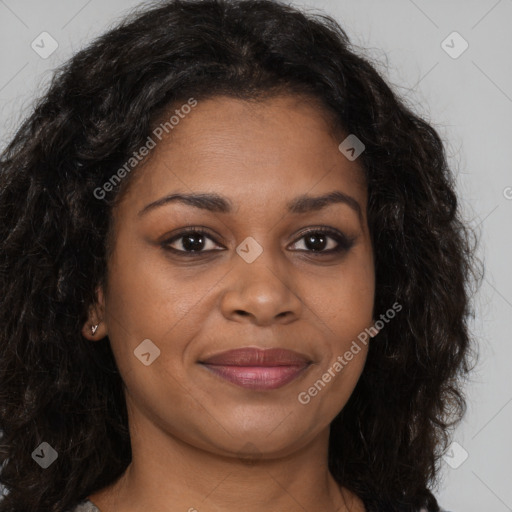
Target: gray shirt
[{"x": 86, "y": 506}]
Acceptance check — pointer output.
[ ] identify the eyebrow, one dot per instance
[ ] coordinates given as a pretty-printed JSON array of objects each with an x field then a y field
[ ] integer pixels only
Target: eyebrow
[{"x": 219, "y": 204}]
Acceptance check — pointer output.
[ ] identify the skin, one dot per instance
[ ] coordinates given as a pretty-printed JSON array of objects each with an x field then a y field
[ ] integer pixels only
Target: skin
[{"x": 192, "y": 432}]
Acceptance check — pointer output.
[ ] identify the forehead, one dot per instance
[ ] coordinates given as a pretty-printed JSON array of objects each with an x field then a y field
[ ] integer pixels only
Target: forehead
[{"x": 250, "y": 151}]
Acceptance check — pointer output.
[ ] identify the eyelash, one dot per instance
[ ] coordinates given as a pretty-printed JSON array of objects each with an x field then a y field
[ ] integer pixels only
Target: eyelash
[{"x": 344, "y": 242}]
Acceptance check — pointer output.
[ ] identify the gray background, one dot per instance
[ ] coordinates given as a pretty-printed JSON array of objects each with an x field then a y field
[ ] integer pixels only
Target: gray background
[{"x": 469, "y": 101}]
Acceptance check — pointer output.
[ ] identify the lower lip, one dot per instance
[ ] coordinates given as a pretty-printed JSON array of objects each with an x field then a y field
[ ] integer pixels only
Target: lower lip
[{"x": 258, "y": 377}]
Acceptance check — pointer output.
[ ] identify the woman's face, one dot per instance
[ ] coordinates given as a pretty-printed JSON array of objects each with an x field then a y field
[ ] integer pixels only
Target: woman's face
[{"x": 254, "y": 278}]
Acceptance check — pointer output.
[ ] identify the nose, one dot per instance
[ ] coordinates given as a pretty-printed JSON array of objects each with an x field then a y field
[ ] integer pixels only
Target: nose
[{"x": 261, "y": 292}]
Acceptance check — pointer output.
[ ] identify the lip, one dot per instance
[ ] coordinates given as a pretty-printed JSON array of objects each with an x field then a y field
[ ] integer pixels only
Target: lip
[
  {"x": 258, "y": 369},
  {"x": 251, "y": 356}
]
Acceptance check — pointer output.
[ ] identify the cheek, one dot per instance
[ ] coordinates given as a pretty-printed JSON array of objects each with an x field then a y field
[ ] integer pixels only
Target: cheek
[
  {"x": 139, "y": 304},
  {"x": 148, "y": 298},
  {"x": 145, "y": 293},
  {"x": 343, "y": 307},
  {"x": 343, "y": 301}
]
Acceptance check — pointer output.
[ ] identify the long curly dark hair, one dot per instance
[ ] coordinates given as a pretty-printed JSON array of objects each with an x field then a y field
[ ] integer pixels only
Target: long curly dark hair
[{"x": 56, "y": 387}]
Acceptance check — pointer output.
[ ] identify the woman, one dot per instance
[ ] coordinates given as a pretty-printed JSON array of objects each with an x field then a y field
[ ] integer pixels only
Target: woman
[{"x": 234, "y": 272}]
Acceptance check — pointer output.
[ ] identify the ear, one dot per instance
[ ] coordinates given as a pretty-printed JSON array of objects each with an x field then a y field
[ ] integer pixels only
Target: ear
[{"x": 96, "y": 317}]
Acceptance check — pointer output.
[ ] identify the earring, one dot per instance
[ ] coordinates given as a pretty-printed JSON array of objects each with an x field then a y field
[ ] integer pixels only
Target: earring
[{"x": 94, "y": 328}]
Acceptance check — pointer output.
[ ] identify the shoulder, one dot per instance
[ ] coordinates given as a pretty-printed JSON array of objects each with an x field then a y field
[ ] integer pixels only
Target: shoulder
[{"x": 85, "y": 506}]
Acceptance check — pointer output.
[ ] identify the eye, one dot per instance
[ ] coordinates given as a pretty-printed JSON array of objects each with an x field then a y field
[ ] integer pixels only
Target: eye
[
  {"x": 190, "y": 242},
  {"x": 317, "y": 241},
  {"x": 194, "y": 241}
]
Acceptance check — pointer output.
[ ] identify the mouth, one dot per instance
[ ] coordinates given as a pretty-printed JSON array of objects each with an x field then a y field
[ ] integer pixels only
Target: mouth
[{"x": 258, "y": 369}]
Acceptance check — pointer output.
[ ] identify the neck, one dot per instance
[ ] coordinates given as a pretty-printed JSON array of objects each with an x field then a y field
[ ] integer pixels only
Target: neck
[{"x": 168, "y": 474}]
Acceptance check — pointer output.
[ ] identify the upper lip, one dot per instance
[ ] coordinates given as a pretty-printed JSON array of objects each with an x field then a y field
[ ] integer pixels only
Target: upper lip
[{"x": 250, "y": 356}]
